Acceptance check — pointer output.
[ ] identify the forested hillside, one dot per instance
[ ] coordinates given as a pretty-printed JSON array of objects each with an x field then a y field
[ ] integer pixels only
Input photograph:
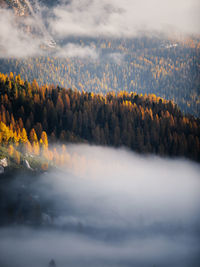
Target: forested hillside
[
  {"x": 167, "y": 68},
  {"x": 146, "y": 124}
]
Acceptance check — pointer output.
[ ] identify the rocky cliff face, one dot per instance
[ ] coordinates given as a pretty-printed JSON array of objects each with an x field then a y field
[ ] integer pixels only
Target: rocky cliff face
[
  {"x": 24, "y": 9},
  {"x": 20, "y": 8}
]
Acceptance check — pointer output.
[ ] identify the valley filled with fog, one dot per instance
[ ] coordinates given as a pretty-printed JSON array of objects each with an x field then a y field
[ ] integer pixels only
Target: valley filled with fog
[
  {"x": 106, "y": 207},
  {"x": 114, "y": 73}
]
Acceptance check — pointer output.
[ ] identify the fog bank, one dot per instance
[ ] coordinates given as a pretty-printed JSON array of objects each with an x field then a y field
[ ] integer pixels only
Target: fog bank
[
  {"x": 28, "y": 36},
  {"x": 125, "y": 18},
  {"x": 110, "y": 207}
]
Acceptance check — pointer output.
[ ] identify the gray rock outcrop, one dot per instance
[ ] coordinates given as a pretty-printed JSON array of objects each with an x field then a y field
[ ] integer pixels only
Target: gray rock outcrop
[{"x": 4, "y": 162}]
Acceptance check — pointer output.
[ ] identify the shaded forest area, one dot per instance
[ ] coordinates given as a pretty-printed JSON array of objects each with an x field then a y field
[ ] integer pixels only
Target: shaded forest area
[
  {"x": 146, "y": 124},
  {"x": 168, "y": 68}
]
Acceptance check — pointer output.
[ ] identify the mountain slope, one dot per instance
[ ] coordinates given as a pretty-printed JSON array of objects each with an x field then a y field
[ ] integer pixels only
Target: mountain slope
[
  {"x": 144, "y": 65},
  {"x": 32, "y": 9},
  {"x": 146, "y": 124}
]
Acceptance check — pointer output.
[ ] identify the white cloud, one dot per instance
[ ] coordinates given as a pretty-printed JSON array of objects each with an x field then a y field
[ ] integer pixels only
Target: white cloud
[
  {"x": 14, "y": 41},
  {"x": 75, "y": 50},
  {"x": 111, "y": 208},
  {"x": 124, "y": 18},
  {"x": 131, "y": 186},
  {"x": 94, "y": 18},
  {"x": 116, "y": 57}
]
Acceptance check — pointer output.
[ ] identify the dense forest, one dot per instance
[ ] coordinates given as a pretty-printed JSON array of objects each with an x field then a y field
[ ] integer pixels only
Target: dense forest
[
  {"x": 165, "y": 67},
  {"x": 146, "y": 124}
]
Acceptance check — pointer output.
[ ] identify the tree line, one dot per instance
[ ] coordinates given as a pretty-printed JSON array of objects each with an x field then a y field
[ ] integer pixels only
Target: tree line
[
  {"x": 167, "y": 68},
  {"x": 143, "y": 123}
]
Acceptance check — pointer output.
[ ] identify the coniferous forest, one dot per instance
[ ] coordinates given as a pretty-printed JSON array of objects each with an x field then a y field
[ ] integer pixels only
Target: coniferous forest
[
  {"x": 166, "y": 68},
  {"x": 145, "y": 124},
  {"x": 99, "y": 133}
]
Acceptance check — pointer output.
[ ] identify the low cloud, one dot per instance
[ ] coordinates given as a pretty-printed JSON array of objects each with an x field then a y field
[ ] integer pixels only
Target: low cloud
[
  {"x": 116, "y": 57},
  {"x": 93, "y": 19},
  {"x": 14, "y": 40},
  {"x": 127, "y": 18},
  {"x": 75, "y": 50},
  {"x": 111, "y": 208},
  {"x": 17, "y": 41}
]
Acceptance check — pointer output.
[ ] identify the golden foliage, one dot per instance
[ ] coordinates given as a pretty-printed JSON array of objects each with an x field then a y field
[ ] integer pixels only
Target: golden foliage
[
  {"x": 16, "y": 157},
  {"x": 11, "y": 150}
]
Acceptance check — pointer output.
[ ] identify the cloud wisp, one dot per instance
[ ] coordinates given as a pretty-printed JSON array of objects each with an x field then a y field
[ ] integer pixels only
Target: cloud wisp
[
  {"x": 74, "y": 50},
  {"x": 127, "y": 18},
  {"x": 93, "y": 19},
  {"x": 18, "y": 40},
  {"x": 14, "y": 41},
  {"x": 112, "y": 208}
]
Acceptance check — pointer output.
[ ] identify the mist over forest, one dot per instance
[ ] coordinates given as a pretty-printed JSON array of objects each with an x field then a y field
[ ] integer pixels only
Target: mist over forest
[
  {"x": 147, "y": 47},
  {"x": 110, "y": 207},
  {"x": 99, "y": 133}
]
